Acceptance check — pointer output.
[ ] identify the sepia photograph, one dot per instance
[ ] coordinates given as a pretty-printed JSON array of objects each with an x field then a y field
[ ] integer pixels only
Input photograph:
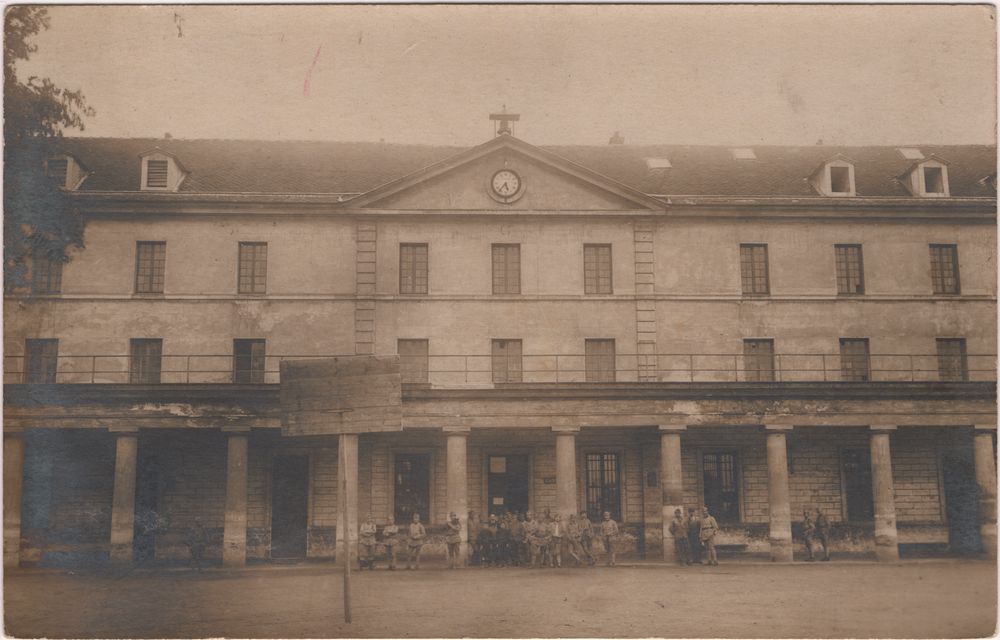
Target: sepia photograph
[{"x": 500, "y": 321}]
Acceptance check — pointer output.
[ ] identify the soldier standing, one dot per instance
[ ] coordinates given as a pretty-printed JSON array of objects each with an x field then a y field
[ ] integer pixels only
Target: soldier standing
[
  {"x": 709, "y": 527},
  {"x": 694, "y": 535},
  {"x": 587, "y": 537},
  {"x": 557, "y": 532},
  {"x": 823, "y": 532},
  {"x": 474, "y": 525},
  {"x": 536, "y": 538},
  {"x": 573, "y": 536},
  {"x": 390, "y": 538},
  {"x": 453, "y": 539},
  {"x": 808, "y": 533},
  {"x": 366, "y": 558},
  {"x": 415, "y": 542},
  {"x": 609, "y": 532},
  {"x": 679, "y": 530}
]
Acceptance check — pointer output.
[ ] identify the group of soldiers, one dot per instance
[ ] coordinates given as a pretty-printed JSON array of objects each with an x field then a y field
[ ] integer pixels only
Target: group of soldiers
[
  {"x": 694, "y": 536},
  {"x": 513, "y": 539},
  {"x": 507, "y": 539}
]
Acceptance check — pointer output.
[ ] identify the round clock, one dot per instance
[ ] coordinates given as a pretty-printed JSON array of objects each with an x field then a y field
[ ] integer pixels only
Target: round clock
[{"x": 506, "y": 186}]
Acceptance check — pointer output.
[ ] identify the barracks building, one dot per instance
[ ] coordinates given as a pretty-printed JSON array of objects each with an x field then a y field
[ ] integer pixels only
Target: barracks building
[{"x": 624, "y": 328}]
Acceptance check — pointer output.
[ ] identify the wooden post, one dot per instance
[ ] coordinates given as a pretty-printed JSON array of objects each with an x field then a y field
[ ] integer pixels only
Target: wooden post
[{"x": 347, "y": 509}]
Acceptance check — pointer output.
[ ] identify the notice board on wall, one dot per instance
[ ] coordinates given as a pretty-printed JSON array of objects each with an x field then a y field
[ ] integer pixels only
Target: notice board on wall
[{"x": 348, "y": 394}]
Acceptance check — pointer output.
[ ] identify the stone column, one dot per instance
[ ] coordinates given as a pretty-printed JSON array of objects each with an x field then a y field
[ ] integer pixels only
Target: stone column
[
  {"x": 234, "y": 536},
  {"x": 886, "y": 540},
  {"x": 986, "y": 478},
  {"x": 566, "y": 470},
  {"x": 671, "y": 483},
  {"x": 347, "y": 494},
  {"x": 123, "y": 500},
  {"x": 13, "y": 483},
  {"x": 458, "y": 481},
  {"x": 777, "y": 492}
]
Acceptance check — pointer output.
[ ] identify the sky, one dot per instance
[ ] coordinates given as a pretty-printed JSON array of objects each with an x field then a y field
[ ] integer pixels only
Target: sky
[{"x": 670, "y": 74}]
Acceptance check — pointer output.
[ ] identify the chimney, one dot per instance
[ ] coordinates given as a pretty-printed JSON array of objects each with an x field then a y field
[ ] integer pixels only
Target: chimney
[{"x": 617, "y": 138}]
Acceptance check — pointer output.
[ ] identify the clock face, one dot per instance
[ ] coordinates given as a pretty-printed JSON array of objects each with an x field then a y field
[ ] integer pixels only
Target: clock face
[{"x": 506, "y": 183}]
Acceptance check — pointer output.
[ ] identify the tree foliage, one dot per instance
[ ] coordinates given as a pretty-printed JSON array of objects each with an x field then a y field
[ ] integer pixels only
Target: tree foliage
[{"x": 39, "y": 218}]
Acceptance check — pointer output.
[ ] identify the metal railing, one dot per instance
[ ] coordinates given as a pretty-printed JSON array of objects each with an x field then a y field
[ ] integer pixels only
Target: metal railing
[{"x": 464, "y": 370}]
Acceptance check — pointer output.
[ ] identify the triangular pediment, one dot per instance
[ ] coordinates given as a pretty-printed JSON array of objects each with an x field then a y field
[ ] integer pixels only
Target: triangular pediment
[{"x": 506, "y": 174}]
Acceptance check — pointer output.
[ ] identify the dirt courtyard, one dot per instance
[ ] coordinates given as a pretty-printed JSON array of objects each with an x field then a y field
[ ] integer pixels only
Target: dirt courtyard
[{"x": 929, "y": 598}]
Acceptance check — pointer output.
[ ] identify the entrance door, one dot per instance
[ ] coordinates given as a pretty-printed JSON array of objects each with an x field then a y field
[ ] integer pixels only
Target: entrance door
[
  {"x": 289, "y": 506},
  {"x": 507, "y": 484},
  {"x": 960, "y": 498}
]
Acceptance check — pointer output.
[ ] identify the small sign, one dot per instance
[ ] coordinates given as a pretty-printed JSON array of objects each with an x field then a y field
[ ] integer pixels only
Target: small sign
[
  {"x": 549, "y": 480},
  {"x": 498, "y": 501},
  {"x": 498, "y": 464}
]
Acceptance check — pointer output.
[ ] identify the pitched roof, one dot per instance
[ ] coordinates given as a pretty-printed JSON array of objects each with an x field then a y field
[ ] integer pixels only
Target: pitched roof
[{"x": 253, "y": 166}]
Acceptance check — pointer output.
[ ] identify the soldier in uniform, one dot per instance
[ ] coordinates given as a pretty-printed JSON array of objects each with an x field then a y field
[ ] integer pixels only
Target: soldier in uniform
[
  {"x": 808, "y": 533},
  {"x": 390, "y": 538},
  {"x": 366, "y": 542},
  {"x": 679, "y": 530},
  {"x": 709, "y": 527},
  {"x": 587, "y": 537},
  {"x": 453, "y": 539},
  {"x": 536, "y": 539},
  {"x": 503, "y": 540},
  {"x": 573, "y": 536},
  {"x": 609, "y": 532},
  {"x": 474, "y": 525},
  {"x": 694, "y": 535},
  {"x": 487, "y": 541},
  {"x": 823, "y": 532},
  {"x": 417, "y": 534},
  {"x": 516, "y": 539},
  {"x": 557, "y": 530}
]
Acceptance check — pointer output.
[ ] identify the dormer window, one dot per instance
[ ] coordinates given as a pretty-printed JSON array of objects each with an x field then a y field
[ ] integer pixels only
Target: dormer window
[
  {"x": 835, "y": 178},
  {"x": 161, "y": 171},
  {"x": 65, "y": 172},
  {"x": 156, "y": 174},
  {"x": 928, "y": 179}
]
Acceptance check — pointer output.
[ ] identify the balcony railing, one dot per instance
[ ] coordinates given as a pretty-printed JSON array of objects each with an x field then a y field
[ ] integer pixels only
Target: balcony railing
[{"x": 478, "y": 370}]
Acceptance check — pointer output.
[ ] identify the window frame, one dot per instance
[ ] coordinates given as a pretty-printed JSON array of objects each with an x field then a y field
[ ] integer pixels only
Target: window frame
[
  {"x": 41, "y": 367},
  {"x": 506, "y": 281},
  {"x": 253, "y": 374},
  {"x": 843, "y": 266},
  {"x": 413, "y": 262},
  {"x": 147, "y": 184},
  {"x": 423, "y": 368},
  {"x": 429, "y": 456},
  {"x": 618, "y": 511},
  {"x": 148, "y": 267},
  {"x": 596, "y": 373},
  {"x": 962, "y": 357},
  {"x": 758, "y": 373},
  {"x": 52, "y": 270},
  {"x": 140, "y": 375},
  {"x": 248, "y": 253},
  {"x": 593, "y": 285},
  {"x": 719, "y": 514},
  {"x": 865, "y": 492},
  {"x": 508, "y": 376},
  {"x": 749, "y": 260},
  {"x": 845, "y": 376},
  {"x": 939, "y": 269}
]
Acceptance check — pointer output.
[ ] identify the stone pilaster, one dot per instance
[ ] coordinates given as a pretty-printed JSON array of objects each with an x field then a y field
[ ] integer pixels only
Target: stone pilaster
[
  {"x": 123, "y": 498},
  {"x": 986, "y": 478},
  {"x": 671, "y": 483},
  {"x": 365, "y": 274},
  {"x": 780, "y": 534},
  {"x": 883, "y": 492},
  {"x": 458, "y": 480},
  {"x": 645, "y": 304},
  {"x": 566, "y": 470},
  {"x": 234, "y": 536}
]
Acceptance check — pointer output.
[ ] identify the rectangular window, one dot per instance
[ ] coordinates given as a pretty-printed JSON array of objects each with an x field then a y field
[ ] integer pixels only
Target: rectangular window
[
  {"x": 840, "y": 179},
  {"x": 506, "y": 268},
  {"x": 412, "y": 488},
  {"x": 850, "y": 269},
  {"x": 603, "y": 486},
  {"x": 156, "y": 173},
  {"x": 856, "y": 475},
  {"x": 248, "y": 361},
  {"x": 506, "y": 361},
  {"x": 41, "y": 360},
  {"x": 253, "y": 268},
  {"x": 758, "y": 360},
  {"x": 46, "y": 276},
  {"x": 597, "y": 269},
  {"x": 150, "y": 265},
  {"x": 57, "y": 168},
  {"x": 933, "y": 180},
  {"x": 944, "y": 268},
  {"x": 953, "y": 363},
  {"x": 855, "y": 363},
  {"x": 413, "y": 360},
  {"x": 720, "y": 473},
  {"x": 145, "y": 355},
  {"x": 753, "y": 269},
  {"x": 413, "y": 268},
  {"x": 599, "y": 361}
]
